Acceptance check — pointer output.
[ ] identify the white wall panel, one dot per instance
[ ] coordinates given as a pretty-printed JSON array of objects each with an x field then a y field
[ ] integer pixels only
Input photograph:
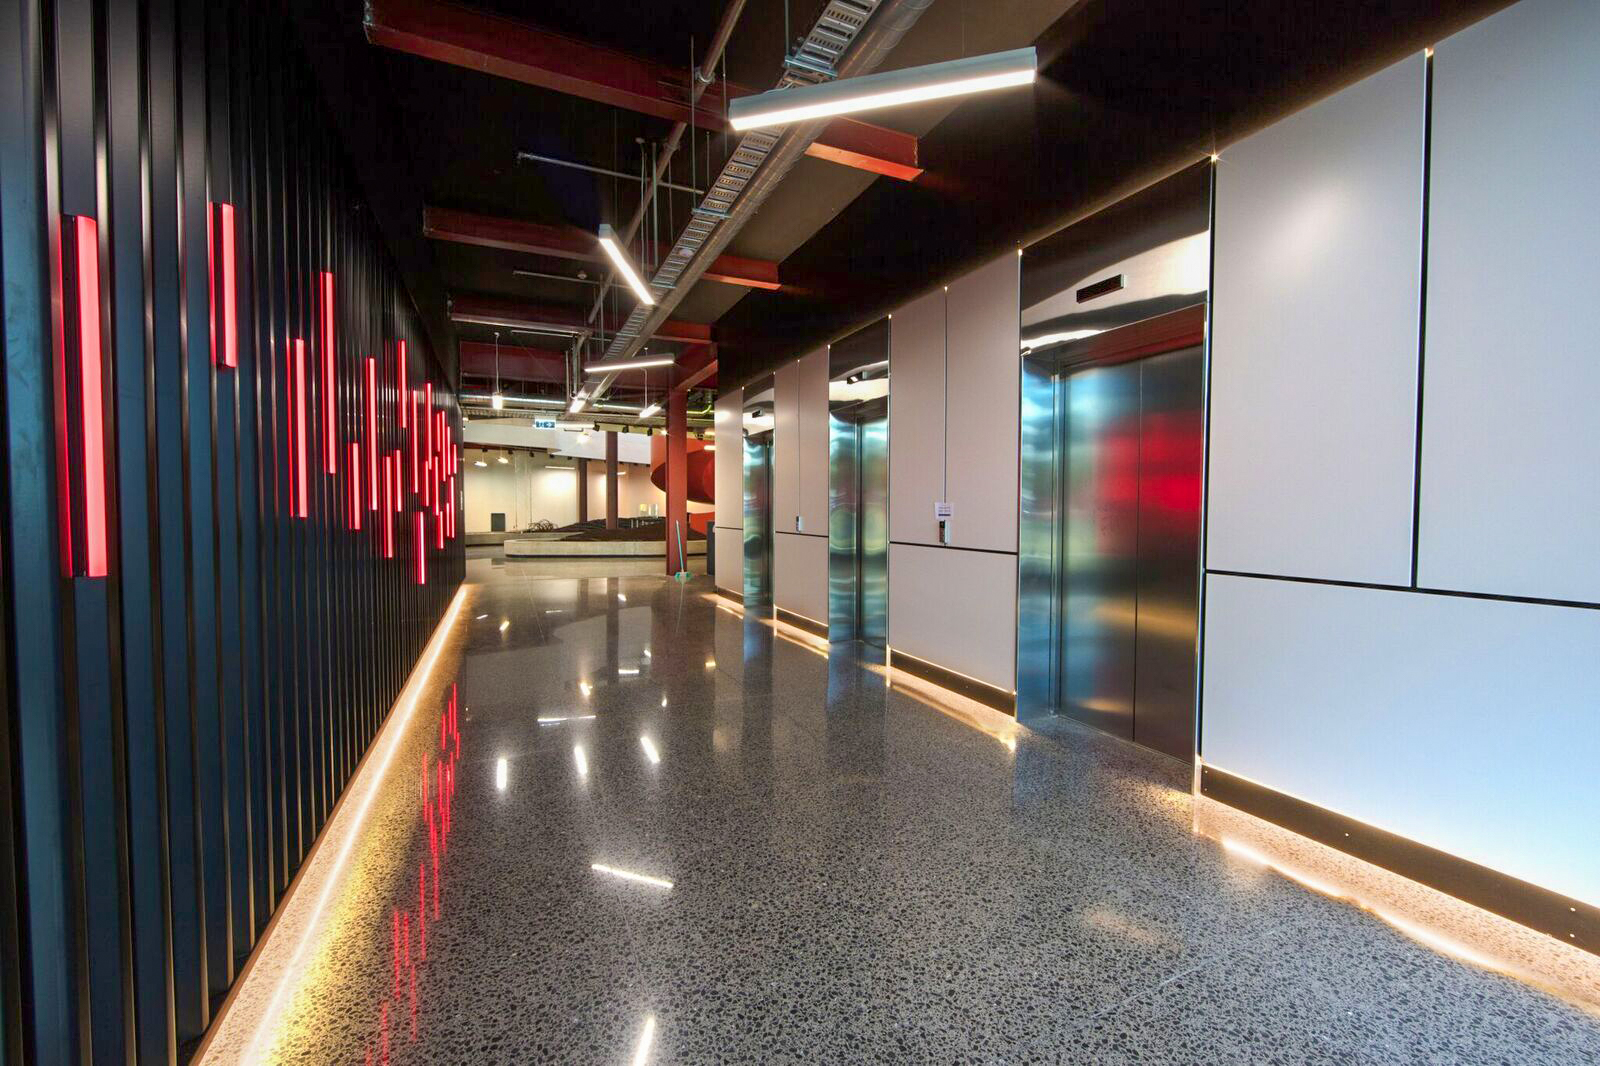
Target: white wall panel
[
  {"x": 729, "y": 466},
  {"x": 730, "y": 559},
  {"x": 957, "y": 609},
  {"x": 1470, "y": 725},
  {"x": 1510, "y": 435},
  {"x": 916, "y": 418},
  {"x": 800, "y": 574},
  {"x": 813, "y": 436},
  {"x": 786, "y": 447},
  {"x": 1316, "y": 309},
  {"x": 985, "y": 382}
]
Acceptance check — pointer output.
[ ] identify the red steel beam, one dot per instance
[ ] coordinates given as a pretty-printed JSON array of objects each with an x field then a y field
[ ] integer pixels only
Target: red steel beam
[
  {"x": 517, "y": 51},
  {"x": 570, "y": 242},
  {"x": 694, "y": 367},
  {"x": 517, "y": 363},
  {"x": 517, "y": 314}
]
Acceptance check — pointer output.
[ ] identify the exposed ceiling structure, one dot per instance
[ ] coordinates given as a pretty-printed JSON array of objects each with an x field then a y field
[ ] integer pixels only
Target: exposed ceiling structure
[{"x": 496, "y": 138}]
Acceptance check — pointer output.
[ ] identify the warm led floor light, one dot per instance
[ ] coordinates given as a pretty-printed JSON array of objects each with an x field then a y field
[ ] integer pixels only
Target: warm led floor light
[
  {"x": 628, "y": 875},
  {"x": 501, "y": 773},
  {"x": 277, "y": 957},
  {"x": 594, "y": 369},
  {"x": 619, "y": 259},
  {"x": 646, "y": 1039},
  {"x": 956, "y": 77}
]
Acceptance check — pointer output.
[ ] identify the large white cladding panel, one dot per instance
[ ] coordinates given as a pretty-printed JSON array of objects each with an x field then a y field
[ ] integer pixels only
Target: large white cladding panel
[
  {"x": 1315, "y": 320},
  {"x": 729, "y": 466},
  {"x": 730, "y": 559},
  {"x": 800, "y": 574},
  {"x": 985, "y": 381},
  {"x": 955, "y": 608},
  {"x": 916, "y": 418},
  {"x": 813, "y": 435},
  {"x": 786, "y": 447},
  {"x": 1470, "y": 725},
  {"x": 1510, "y": 437}
]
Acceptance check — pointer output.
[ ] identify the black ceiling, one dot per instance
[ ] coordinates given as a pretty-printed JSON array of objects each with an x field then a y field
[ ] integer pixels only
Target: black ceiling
[{"x": 1129, "y": 92}]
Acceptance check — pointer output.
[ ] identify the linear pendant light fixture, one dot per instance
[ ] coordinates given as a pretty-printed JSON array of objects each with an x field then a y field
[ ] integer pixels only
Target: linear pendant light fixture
[
  {"x": 619, "y": 259},
  {"x": 618, "y": 365},
  {"x": 869, "y": 92}
]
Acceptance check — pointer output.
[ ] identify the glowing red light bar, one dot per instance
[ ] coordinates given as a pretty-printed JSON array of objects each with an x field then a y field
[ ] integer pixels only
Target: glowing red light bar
[
  {"x": 422, "y": 552},
  {"x": 299, "y": 472},
  {"x": 416, "y": 458},
  {"x": 80, "y": 403},
  {"x": 450, "y": 508},
  {"x": 399, "y": 486},
  {"x": 224, "y": 287},
  {"x": 401, "y": 396},
  {"x": 355, "y": 485},
  {"x": 388, "y": 507},
  {"x": 372, "y": 433},
  {"x": 329, "y": 385}
]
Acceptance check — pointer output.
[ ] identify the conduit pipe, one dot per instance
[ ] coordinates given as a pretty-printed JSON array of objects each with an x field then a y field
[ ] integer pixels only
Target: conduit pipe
[{"x": 883, "y": 30}]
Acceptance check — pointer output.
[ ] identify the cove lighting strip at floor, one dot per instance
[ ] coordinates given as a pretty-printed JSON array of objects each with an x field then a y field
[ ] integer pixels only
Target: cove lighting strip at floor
[{"x": 248, "y": 1027}]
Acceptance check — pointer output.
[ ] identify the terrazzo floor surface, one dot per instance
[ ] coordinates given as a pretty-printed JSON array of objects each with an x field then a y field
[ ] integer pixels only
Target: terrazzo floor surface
[{"x": 854, "y": 876}]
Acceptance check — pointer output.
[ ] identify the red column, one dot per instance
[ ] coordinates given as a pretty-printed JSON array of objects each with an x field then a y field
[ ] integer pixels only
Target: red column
[
  {"x": 611, "y": 479},
  {"x": 583, "y": 490},
  {"x": 677, "y": 479}
]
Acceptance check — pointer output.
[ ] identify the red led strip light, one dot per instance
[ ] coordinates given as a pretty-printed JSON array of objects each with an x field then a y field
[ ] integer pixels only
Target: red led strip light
[
  {"x": 80, "y": 404},
  {"x": 389, "y": 477},
  {"x": 330, "y": 448},
  {"x": 421, "y": 548},
  {"x": 299, "y": 470},
  {"x": 355, "y": 485},
  {"x": 372, "y": 433},
  {"x": 401, "y": 395},
  {"x": 224, "y": 287}
]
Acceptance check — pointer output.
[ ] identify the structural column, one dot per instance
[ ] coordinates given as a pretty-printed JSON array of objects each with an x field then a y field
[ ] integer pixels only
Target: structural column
[
  {"x": 583, "y": 490},
  {"x": 677, "y": 480},
  {"x": 611, "y": 479}
]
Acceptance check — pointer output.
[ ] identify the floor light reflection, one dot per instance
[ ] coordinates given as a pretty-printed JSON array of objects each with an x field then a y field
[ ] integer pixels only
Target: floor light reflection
[
  {"x": 581, "y": 759},
  {"x": 629, "y": 875},
  {"x": 500, "y": 773},
  {"x": 650, "y": 751},
  {"x": 646, "y": 1039}
]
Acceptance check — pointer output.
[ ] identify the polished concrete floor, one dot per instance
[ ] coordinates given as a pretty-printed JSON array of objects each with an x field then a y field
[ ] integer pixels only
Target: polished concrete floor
[{"x": 675, "y": 835}]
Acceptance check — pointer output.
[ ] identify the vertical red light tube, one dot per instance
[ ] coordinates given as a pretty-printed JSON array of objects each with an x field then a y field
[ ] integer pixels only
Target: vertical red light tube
[
  {"x": 224, "y": 287},
  {"x": 388, "y": 508},
  {"x": 372, "y": 433},
  {"x": 330, "y": 447},
  {"x": 300, "y": 459},
  {"x": 399, "y": 487},
  {"x": 80, "y": 407},
  {"x": 422, "y": 551},
  {"x": 450, "y": 509},
  {"x": 416, "y": 458},
  {"x": 355, "y": 486}
]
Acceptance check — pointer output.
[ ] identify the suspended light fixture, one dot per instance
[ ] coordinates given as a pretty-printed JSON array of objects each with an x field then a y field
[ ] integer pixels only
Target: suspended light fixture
[
  {"x": 619, "y": 259},
  {"x": 497, "y": 401},
  {"x": 504, "y": 460},
  {"x": 869, "y": 92},
  {"x": 594, "y": 369}
]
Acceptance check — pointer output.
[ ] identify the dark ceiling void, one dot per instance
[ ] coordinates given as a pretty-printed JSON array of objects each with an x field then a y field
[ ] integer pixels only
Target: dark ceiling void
[{"x": 494, "y": 137}]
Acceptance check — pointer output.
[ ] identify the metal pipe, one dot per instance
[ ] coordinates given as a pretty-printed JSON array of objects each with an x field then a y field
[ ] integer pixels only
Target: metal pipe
[
  {"x": 871, "y": 45},
  {"x": 591, "y": 168},
  {"x": 701, "y": 78}
]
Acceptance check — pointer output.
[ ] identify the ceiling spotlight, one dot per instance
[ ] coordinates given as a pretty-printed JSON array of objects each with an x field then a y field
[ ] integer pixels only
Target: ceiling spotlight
[
  {"x": 852, "y": 379},
  {"x": 627, "y": 364},
  {"x": 503, "y": 459},
  {"x": 619, "y": 259},
  {"x": 497, "y": 401},
  {"x": 956, "y": 77},
  {"x": 479, "y": 462}
]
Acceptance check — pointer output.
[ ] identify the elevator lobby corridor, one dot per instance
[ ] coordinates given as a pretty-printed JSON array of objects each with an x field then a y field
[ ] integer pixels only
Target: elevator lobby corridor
[{"x": 678, "y": 835}]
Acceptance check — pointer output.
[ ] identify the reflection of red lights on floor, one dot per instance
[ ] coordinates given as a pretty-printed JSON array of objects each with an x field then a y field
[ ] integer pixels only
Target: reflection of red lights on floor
[{"x": 438, "y": 790}]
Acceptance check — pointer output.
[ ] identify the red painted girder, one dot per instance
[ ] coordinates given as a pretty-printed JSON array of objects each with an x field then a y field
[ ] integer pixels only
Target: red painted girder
[
  {"x": 570, "y": 242},
  {"x": 517, "y": 51},
  {"x": 517, "y": 363},
  {"x": 518, "y": 314}
]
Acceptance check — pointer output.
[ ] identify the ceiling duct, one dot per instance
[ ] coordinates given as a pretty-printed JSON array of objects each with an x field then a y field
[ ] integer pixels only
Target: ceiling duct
[{"x": 850, "y": 37}]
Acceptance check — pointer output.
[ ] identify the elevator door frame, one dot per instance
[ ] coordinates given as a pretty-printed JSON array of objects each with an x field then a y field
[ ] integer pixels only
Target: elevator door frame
[
  {"x": 757, "y": 483},
  {"x": 858, "y": 527},
  {"x": 1041, "y": 518}
]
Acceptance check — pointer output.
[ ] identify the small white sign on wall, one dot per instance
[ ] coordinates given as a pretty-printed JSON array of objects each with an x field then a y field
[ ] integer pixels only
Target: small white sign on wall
[{"x": 943, "y": 511}]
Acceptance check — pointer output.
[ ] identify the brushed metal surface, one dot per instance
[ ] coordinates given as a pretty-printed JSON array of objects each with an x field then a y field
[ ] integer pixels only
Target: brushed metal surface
[
  {"x": 758, "y": 521},
  {"x": 858, "y": 526},
  {"x": 872, "y": 613},
  {"x": 844, "y": 518},
  {"x": 1038, "y": 539}
]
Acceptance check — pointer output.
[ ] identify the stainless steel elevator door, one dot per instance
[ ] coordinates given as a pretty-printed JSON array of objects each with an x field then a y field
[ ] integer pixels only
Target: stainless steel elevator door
[
  {"x": 872, "y": 625},
  {"x": 1131, "y": 457},
  {"x": 758, "y": 520}
]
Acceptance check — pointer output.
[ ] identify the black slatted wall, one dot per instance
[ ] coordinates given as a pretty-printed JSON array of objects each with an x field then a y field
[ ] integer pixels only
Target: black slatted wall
[{"x": 178, "y": 730}]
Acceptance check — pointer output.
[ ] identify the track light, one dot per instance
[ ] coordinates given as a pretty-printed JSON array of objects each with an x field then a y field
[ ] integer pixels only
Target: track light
[
  {"x": 956, "y": 77},
  {"x": 479, "y": 462},
  {"x": 619, "y": 259},
  {"x": 503, "y": 459}
]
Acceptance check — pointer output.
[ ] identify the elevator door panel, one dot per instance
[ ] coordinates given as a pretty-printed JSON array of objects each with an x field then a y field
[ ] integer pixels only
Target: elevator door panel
[
  {"x": 1170, "y": 450},
  {"x": 873, "y": 622},
  {"x": 758, "y": 521},
  {"x": 1099, "y": 594}
]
